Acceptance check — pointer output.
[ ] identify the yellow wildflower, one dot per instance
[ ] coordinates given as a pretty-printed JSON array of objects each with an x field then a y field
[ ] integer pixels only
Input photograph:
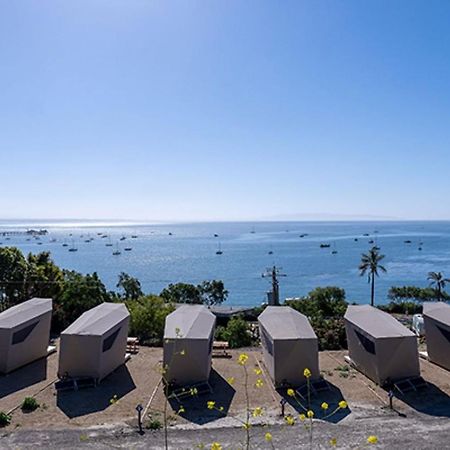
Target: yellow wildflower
[
  {"x": 183, "y": 352},
  {"x": 343, "y": 404},
  {"x": 324, "y": 406},
  {"x": 268, "y": 437},
  {"x": 289, "y": 420},
  {"x": 216, "y": 446},
  {"x": 221, "y": 408},
  {"x": 211, "y": 404},
  {"x": 302, "y": 417},
  {"x": 243, "y": 358},
  {"x": 310, "y": 414},
  {"x": 259, "y": 383},
  {"x": 258, "y": 371},
  {"x": 257, "y": 412},
  {"x": 333, "y": 442},
  {"x": 291, "y": 392},
  {"x": 193, "y": 391},
  {"x": 246, "y": 426},
  {"x": 372, "y": 439},
  {"x": 230, "y": 380},
  {"x": 181, "y": 410},
  {"x": 306, "y": 373}
]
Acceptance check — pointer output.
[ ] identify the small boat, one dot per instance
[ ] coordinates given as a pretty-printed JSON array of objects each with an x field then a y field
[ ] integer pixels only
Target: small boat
[
  {"x": 420, "y": 249},
  {"x": 356, "y": 239},
  {"x": 219, "y": 250},
  {"x": 73, "y": 248},
  {"x": 253, "y": 230},
  {"x": 116, "y": 251},
  {"x": 334, "y": 252},
  {"x": 109, "y": 243},
  {"x": 325, "y": 246},
  {"x": 366, "y": 234},
  {"x": 123, "y": 238},
  {"x": 99, "y": 234},
  {"x": 87, "y": 240},
  {"x": 216, "y": 235},
  {"x": 304, "y": 235},
  {"x": 371, "y": 241},
  {"x": 270, "y": 252},
  {"x": 128, "y": 249},
  {"x": 65, "y": 245},
  {"x": 407, "y": 241},
  {"x": 53, "y": 240},
  {"x": 133, "y": 236},
  {"x": 39, "y": 243},
  {"x": 170, "y": 233},
  {"x": 104, "y": 236}
]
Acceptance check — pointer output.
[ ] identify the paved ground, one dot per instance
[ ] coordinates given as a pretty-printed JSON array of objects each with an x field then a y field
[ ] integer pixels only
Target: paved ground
[{"x": 88, "y": 419}]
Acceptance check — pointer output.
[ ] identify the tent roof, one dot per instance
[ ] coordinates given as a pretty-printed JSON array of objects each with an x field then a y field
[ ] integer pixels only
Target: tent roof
[
  {"x": 193, "y": 322},
  {"x": 375, "y": 322},
  {"x": 283, "y": 322},
  {"x": 439, "y": 311},
  {"x": 25, "y": 311},
  {"x": 97, "y": 321}
]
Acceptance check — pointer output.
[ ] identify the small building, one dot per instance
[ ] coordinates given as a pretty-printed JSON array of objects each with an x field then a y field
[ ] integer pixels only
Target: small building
[
  {"x": 188, "y": 342},
  {"x": 437, "y": 331},
  {"x": 289, "y": 345},
  {"x": 24, "y": 333},
  {"x": 379, "y": 345},
  {"x": 95, "y": 344}
]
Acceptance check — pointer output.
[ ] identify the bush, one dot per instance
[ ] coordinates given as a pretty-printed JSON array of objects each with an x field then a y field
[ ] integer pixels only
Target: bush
[
  {"x": 330, "y": 333},
  {"x": 5, "y": 419},
  {"x": 236, "y": 333},
  {"x": 147, "y": 318},
  {"x": 403, "y": 307},
  {"x": 29, "y": 404},
  {"x": 153, "y": 424}
]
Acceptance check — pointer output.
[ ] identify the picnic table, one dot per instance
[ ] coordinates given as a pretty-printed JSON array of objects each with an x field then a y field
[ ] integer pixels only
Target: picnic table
[{"x": 220, "y": 348}]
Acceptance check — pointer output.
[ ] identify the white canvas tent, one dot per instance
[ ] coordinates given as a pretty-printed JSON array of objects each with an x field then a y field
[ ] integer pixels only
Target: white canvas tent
[
  {"x": 379, "y": 345},
  {"x": 24, "y": 333},
  {"x": 289, "y": 345},
  {"x": 188, "y": 341},
  {"x": 437, "y": 331},
  {"x": 95, "y": 344}
]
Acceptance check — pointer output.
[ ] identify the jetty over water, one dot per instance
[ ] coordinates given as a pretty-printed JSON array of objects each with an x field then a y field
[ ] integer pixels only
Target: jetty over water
[{"x": 41, "y": 232}]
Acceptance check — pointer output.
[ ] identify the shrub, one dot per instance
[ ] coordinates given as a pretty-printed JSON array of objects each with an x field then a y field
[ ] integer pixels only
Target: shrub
[
  {"x": 236, "y": 333},
  {"x": 402, "y": 307},
  {"x": 153, "y": 424},
  {"x": 29, "y": 404},
  {"x": 5, "y": 419}
]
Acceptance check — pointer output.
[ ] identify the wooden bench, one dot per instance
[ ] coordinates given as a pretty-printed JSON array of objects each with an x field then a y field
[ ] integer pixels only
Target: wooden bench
[
  {"x": 132, "y": 345},
  {"x": 220, "y": 349}
]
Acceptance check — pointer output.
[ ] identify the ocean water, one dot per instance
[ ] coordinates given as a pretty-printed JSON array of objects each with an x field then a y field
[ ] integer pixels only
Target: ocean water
[{"x": 189, "y": 254}]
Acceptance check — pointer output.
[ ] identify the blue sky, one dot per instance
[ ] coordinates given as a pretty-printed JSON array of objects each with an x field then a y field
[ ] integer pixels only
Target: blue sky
[{"x": 186, "y": 110}]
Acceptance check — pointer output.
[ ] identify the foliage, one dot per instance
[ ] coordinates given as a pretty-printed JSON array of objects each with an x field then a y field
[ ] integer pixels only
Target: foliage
[
  {"x": 29, "y": 404},
  {"x": 13, "y": 270},
  {"x": 236, "y": 333},
  {"x": 370, "y": 265},
  {"x": 5, "y": 419},
  {"x": 130, "y": 286},
  {"x": 438, "y": 281},
  {"x": 402, "y": 307},
  {"x": 79, "y": 294},
  {"x": 399, "y": 294},
  {"x": 148, "y": 315},
  {"x": 153, "y": 424},
  {"x": 330, "y": 333},
  {"x": 208, "y": 293},
  {"x": 182, "y": 293}
]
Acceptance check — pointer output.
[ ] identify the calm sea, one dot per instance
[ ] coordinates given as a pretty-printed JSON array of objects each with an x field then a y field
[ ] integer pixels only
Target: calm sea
[{"x": 163, "y": 254}]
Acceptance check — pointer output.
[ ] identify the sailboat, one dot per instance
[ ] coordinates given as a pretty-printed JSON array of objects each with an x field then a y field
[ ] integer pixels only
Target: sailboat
[
  {"x": 219, "y": 250},
  {"x": 73, "y": 248},
  {"x": 116, "y": 251},
  {"x": 109, "y": 243},
  {"x": 128, "y": 249},
  {"x": 334, "y": 252}
]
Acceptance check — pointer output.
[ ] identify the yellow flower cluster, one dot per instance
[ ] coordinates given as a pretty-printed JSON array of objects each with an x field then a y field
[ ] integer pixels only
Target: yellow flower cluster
[
  {"x": 114, "y": 400},
  {"x": 291, "y": 392},
  {"x": 258, "y": 371},
  {"x": 268, "y": 437},
  {"x": 333, "y": 442},
  {"x": 372, "y": 439},
  {"x": 230, "y": 381},
  {"x": 310, "y": 414},
  {"x": 324, "y": 406},
  {"x": 259, "y": 383},
  {"x": 306, "y": 373},
  {"x": 289, "y": 420},
  {"x": 211, "y": 404},
  {"x": 216, "y": 446},
  {"x": 343, "y": 404},
  {"x": 257, "y": 412},
  {"x": 243, "y": 358}
]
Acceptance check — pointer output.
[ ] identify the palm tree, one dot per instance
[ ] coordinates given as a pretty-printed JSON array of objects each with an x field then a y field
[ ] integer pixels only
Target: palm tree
[
  {"x": 438, "y": 281},
  {"x": 370, "y": 264}
]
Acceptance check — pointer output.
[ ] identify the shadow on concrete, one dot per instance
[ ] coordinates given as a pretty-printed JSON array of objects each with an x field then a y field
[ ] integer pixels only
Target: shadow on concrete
[
  {"x": 332, "y": 396},
  {"x": 430, "y": 400},
  {"x": 95, "y": 399},
  {"x": 196, "y": 410},
  {"x": 23, "y": 377}
]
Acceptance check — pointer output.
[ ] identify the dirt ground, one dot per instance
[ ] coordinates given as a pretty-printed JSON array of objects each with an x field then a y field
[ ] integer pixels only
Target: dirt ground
[{"x": 138, "y": 382}]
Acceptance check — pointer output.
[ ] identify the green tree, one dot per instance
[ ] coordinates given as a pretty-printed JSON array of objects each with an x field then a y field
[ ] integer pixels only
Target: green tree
[
  {"x": 236, "y": 333},
  {"x": 78, "y": 294},
  {"x": 13, "y": 272},
  {"x": 182, "y": 293},
  {"x": 213, "y": 292},
  {"x": 370, "y": 265},
  {"x": 43, "y": 277},
  {"x": 130, "y": 286},
  {"x": 438, "y": 282},
  {"x": 148, "y": 315}
]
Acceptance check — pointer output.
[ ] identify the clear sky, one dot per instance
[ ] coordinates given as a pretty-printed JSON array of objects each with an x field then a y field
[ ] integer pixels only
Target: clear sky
[{"x": 191, "y": 110}]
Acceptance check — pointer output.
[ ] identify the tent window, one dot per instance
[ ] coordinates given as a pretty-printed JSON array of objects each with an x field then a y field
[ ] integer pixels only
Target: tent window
[
  {"x": 266, "y": 342},
  {"x": 109, "y": 341},
  {"x": 21, "y": 335},
  {"x": 368, "y": 345},
  {"x": 446, "y": 333}
]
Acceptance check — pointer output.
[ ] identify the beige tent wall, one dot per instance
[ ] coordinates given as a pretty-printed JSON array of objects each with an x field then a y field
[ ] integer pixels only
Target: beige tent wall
[
  {"x": 5, "y": 342},
  {"x": 115, "y": 356},
  {"x": 292, "y": 358},
  {"x": 34, "y": 346},
  {"x": 192, "y": 367},
  {"x": 366, "y": 362},
  {"x": 268, "y": 352},
  {"x": 438, "y": 347},
  {"x": 79, "y": 356},
  {"x": 397, "y": 358}
]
